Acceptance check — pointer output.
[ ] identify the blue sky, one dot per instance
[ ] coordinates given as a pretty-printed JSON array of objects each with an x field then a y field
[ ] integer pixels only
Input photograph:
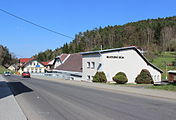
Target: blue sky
[{"x": 69, "y": 17}]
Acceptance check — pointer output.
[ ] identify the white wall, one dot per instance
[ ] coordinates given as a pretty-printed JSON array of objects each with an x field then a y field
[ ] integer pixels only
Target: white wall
[
  {"x": 11, "y": 68},
  {"x": 130, "y": 63},
  {"x": 57, "y": 62},
  {"x": 32, "y": 68},
  {"x": 90, "y": 71}
]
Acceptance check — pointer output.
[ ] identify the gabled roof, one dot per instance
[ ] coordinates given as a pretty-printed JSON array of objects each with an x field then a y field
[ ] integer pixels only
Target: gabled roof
[
  {"x": 63, "y": 57},
  {"x": 31, "y": 61},
  {"x": 172, "y": 71},
  {"x": 72, "y": 63},
  {"x": 51, "y": 62},
  {"x": 25, "y": 60},
  {"x": 122, "y": 49},
  {"x": 45, "y": 63}
]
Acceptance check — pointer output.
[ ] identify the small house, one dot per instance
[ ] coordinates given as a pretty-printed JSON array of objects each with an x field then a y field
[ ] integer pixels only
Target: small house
[{"x": 172, "y": 76}]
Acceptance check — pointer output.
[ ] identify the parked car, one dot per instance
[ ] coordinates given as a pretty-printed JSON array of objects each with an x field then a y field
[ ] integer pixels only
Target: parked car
[
  {"x": 26, "y": 74},
  {"x": 7, "y": 73}
]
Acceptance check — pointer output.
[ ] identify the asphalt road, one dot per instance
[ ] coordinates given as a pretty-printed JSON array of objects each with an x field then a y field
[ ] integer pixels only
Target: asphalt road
[{"x": 48, "y": 100}]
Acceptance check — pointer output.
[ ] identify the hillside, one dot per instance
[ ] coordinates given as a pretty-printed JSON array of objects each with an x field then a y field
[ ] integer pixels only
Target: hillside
[
  {"x": 165, "y": 61},
  {"x": 153, "y": 35}
]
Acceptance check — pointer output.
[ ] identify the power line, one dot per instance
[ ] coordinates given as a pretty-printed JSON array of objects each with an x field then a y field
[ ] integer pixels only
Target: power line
[{"x": 27, "y": 21}]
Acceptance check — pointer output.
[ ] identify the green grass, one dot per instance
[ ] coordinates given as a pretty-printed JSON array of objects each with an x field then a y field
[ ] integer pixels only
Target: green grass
[
  {"x": 3, "y": 69},
  {"x": 130, "y": 84},
  {"x": 163, "y": 59},
  {"x": 170, "y": 87}
]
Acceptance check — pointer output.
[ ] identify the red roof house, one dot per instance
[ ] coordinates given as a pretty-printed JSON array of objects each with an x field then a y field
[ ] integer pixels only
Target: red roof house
[{"x": 25, "y": 60}]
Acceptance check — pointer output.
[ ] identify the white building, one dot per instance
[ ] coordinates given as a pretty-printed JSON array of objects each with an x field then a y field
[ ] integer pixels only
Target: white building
[
  {"x": 111, "y": 61},
  {"x": 33, "y": 66},
  {"x": 12, "y": 67}
]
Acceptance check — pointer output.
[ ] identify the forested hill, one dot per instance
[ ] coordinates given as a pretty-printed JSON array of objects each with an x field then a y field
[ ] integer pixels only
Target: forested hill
[{"x": 154, "y": 35}]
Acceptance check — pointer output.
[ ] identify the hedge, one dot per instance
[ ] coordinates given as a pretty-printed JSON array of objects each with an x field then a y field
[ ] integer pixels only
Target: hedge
[
  {"x": 144, "y": 77},
  {"x": 100, "y": 77},
  {"x": 120, "y": 78}
]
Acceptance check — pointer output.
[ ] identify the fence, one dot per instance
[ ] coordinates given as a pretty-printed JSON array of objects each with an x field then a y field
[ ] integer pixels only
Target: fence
[{"x": 60, "y": 75}]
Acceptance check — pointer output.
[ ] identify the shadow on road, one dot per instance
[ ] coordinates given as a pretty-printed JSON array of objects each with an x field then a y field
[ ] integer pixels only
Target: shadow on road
[
  {"x": 18, "y": 88},
  {"x": 4, "y": 90}
]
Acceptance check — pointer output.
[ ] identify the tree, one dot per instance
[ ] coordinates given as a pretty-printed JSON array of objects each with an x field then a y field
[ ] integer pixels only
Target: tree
[
  {"x": 6, "y": 57},
  {"x": 65, "y": 48}
]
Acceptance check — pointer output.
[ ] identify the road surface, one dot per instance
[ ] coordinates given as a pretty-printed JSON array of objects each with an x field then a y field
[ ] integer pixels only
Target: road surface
[{"x": 48, "y": 100}]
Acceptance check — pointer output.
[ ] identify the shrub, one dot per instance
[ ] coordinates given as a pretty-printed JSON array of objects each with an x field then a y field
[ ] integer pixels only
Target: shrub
[
  {"x": 144, "y": 77},
  {"x": 120, "y": 78},
  {"x": 100, "y": 77}
]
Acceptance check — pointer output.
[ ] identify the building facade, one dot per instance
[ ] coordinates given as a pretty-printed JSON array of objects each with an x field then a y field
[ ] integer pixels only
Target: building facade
[
  {"x": 33, "y": 66},
  {"x": 70, "y": 66},
  {"x": 128, "y": 60}
]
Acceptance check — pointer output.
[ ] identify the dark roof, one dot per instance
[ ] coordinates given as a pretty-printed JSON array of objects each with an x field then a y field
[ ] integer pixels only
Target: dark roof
[
  {"x": 63, "y": 57},
  {"x": 73, "y": 63},
  {"x": 122, "y": 49}
]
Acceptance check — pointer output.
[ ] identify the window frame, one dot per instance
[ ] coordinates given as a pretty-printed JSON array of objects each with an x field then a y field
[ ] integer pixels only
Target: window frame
[
  {"x": 88, "y": 64},
  {"x": 92, "y": 65}
]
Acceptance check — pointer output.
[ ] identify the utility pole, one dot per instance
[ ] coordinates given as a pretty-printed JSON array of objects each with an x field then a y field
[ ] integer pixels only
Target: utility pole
[
  {"x": 166, "y": 70},
  {"x": 101, "y": 47}
]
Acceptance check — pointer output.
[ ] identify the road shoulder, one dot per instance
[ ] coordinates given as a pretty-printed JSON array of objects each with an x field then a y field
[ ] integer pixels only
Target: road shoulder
[{"x": 9, "y": 108}]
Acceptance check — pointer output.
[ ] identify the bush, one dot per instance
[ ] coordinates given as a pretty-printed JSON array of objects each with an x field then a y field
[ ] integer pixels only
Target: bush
[
  {"x": 144, "y": 77},
  {"x": 120, "y": 78},
  {"x": 100, "y": 77}
]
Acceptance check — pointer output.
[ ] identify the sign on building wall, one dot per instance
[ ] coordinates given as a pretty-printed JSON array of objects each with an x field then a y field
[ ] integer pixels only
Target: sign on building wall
[
  {"x": 115, "y": 57},
  {"x": 37, "y": 66}
]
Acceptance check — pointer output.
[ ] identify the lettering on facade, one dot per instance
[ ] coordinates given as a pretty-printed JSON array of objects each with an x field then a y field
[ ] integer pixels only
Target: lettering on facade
[{"x": 115, "y": 57}]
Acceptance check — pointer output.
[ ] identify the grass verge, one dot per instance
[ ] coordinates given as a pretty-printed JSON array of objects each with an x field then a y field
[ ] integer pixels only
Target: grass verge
[
  {"x": 169, "y": 87},
  {"x": 3, "y": 69},
  {"x": 163, "y": 59}
]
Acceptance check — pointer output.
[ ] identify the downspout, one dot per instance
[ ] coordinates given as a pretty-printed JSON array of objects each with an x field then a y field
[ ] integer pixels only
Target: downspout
[{"x": 100, "y": 61}]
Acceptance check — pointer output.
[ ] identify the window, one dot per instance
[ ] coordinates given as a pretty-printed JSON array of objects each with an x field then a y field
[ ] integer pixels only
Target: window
[
  {"x": 93, "y": 65},
  {"x": 88, "y": 64},
  {"x": 155, "y": 77},
  {"x": 174, "y": 77},
  {"x": 88, "y": 77},
  {"x": 158, "y": 77}
]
